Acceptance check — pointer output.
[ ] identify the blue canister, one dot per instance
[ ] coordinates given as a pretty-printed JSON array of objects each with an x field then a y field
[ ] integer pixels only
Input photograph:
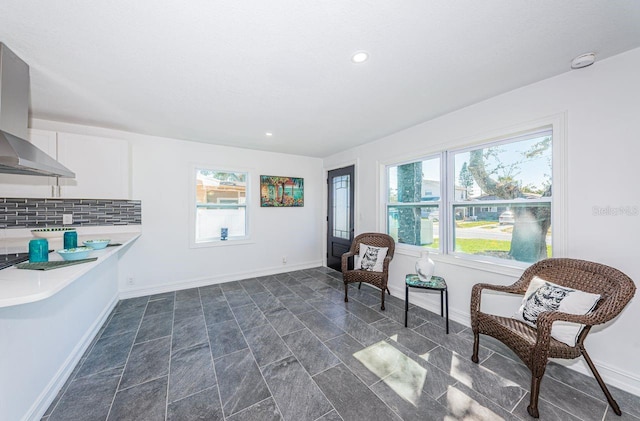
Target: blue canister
[
  {"x": 39, "y": 250},
  {"x": 70, "y": 240},
  {"x": 224, "y": 233}
]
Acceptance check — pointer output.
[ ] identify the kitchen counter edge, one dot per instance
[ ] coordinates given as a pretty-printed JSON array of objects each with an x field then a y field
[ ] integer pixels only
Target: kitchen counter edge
[{"x": 23, "y": 286}]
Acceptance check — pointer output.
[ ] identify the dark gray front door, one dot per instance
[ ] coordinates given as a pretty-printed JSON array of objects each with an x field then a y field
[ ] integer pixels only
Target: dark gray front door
[{"x": 340, "y": 214}]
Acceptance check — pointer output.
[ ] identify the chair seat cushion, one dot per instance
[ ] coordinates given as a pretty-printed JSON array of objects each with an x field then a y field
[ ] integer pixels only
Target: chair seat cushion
[
  {"x": 544, "y": 296},
  {"x": 371, "y": 258}
]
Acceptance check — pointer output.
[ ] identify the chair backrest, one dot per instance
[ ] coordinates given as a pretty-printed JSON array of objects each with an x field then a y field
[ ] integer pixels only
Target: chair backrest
[
  {"x": 615, "y": 288},
  {"x": 374, "y": 239}
]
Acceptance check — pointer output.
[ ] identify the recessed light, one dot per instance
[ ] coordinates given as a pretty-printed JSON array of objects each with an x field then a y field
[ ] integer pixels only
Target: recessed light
[
  {"x": 583, "y": 60},
  {"x": 360, "y": 57},
  {"x": 268, "y": 134}
]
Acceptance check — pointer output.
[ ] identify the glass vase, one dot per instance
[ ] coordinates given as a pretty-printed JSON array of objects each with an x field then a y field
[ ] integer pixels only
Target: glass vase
[{"x": 425, "y": 267}]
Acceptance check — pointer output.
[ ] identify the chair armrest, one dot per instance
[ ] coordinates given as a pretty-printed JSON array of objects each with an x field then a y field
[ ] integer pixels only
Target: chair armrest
[
  {"x": 513, "y": 289},
  {"x": 548, "y": 317},
  {"x": 345, "y": 261},
  {"x": 476, "y": 292},
  {"x": 385, "y": 264},
  {"x": 476, "y": 296},
  {"x": 543, "y": 330}
]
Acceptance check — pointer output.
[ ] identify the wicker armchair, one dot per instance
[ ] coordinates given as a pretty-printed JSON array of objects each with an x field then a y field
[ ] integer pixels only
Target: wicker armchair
[
  {"x": 378, "y": 279},
  {"x": 536, "y": 346}
]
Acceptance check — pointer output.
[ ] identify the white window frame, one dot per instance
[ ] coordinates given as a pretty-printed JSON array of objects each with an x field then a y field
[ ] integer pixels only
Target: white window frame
[
  {"x": 193, "y": 208},
  {"x": 558, "y": 126}
]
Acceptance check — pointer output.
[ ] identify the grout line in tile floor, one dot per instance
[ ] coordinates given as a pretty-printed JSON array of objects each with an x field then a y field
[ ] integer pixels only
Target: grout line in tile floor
[
  {"x": 251, "y": 351},
  {"x": 127, "y": 360},
  {"x": 331, "y": 320},
  {"x": 206, "y": 328},
  {"x": 290, "y": 350},
  {"x": 173, "y": 319}
]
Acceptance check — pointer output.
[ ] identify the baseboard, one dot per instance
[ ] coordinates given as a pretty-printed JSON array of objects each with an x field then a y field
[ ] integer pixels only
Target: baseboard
[
  {"x": 212, "y": 280},
  {"x": 418, "y": 299},
  {"x": 50, "y": 392},
  {"x": 611, "y": 376}
]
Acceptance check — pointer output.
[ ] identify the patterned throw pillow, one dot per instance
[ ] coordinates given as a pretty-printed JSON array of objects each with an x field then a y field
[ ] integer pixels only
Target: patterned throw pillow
[
  {"x": 546, "y": 296},
  {"x": 372, "y": 258}
]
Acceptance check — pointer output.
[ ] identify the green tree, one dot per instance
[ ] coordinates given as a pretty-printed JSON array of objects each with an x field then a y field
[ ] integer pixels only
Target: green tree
[
  {"x": 279, "y": 185},
  {"x": 296, "y": 183},
  {"x": 224, "y": 176},
  {"x": 531, "y": 223},
  {"x": 465, "y": 178},
  {"x": 409, "y": 190}
]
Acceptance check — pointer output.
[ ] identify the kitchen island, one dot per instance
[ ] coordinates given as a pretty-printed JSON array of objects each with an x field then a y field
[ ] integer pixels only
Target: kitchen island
[{"x": 49, "y": 318}]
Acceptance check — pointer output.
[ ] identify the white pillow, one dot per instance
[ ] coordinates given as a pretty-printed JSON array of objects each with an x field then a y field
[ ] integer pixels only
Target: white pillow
[
  {"x": 372, "y": 258},
  {"x": 546, "y": 296}
]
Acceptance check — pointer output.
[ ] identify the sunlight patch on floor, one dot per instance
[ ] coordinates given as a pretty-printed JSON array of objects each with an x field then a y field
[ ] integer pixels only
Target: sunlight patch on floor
[
  {"x": 403, "y": 375},
  {"x": 457, "y": 372},
  {"x": 463, "y": 407},
  {"x": 460, "y": 371}
]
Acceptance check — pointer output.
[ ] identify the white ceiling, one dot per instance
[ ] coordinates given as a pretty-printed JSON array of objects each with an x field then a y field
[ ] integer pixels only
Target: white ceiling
[{"x": 226, "y": 72}]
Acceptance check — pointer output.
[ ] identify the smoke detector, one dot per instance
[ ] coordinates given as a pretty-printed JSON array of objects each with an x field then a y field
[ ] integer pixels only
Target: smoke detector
[{"x": 583, "y": 60}]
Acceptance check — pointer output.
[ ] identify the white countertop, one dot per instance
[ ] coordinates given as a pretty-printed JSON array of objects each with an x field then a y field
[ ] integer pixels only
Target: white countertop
[{"x": 21, "y": 286}]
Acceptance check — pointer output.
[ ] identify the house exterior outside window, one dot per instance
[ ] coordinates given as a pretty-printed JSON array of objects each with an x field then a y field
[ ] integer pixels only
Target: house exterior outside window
[
  {"x": 506, "y": 213},
  {"x": 221, "y": 202},
  {"x": 491, "y": 201}
]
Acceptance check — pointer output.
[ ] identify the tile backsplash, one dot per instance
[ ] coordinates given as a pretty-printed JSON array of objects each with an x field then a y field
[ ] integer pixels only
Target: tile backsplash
[{"x": 42, "y": 213}]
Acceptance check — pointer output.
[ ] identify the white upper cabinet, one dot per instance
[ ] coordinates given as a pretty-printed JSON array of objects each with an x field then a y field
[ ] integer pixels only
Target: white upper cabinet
[
  {"x": 101, "y": 166},
  {"x": 13, "y": 185}
]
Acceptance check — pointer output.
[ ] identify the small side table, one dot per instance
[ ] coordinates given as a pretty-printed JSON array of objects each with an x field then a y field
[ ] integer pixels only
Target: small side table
[{"x": 436, "y": 283}]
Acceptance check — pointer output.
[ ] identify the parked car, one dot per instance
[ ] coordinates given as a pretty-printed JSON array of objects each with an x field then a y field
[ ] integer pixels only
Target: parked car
[
  {"x": 434, "y": 216},
  {"x": 506, "y": 217}
]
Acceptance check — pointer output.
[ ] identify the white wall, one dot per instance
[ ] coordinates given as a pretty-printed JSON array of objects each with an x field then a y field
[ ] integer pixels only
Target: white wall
[
  {"x": 162, "y": 260},
  {"x": 162, "y": 178},
  {"x": 602, "y": 107}
]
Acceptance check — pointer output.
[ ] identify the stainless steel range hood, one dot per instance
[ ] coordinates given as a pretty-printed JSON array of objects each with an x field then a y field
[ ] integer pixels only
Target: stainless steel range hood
[{"x": 17, "y": 155}]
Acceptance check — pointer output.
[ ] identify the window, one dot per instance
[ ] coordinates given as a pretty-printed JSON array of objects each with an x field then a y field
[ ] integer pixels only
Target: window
[
  {"x": 494, "y": 203},
  {"x": 221, "y": 202},
  {"x": 342, "y": 206},
  {"x": 504, "y": 209},
  {"x": 412, "y": 207}
]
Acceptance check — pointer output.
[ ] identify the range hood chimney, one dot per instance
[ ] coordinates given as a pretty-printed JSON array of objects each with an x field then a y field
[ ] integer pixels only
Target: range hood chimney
[{"x": 17, "y": 155}]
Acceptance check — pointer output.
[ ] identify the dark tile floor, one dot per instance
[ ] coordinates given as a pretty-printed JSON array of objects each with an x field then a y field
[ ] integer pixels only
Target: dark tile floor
[{"x": 288, "y": 347}]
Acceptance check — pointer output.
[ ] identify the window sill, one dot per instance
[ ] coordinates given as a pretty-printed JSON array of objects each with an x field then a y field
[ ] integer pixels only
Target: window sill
[
  {"x": 488, "y": 265},
  {"x": 220, "y": 243}
]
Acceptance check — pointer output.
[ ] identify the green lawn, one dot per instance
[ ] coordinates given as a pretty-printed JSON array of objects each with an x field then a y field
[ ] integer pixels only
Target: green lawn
[
  {"x": 472, "y": 224},
  {"x": 479, "y": 245},
  {"x": 468, "y": 245}
]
